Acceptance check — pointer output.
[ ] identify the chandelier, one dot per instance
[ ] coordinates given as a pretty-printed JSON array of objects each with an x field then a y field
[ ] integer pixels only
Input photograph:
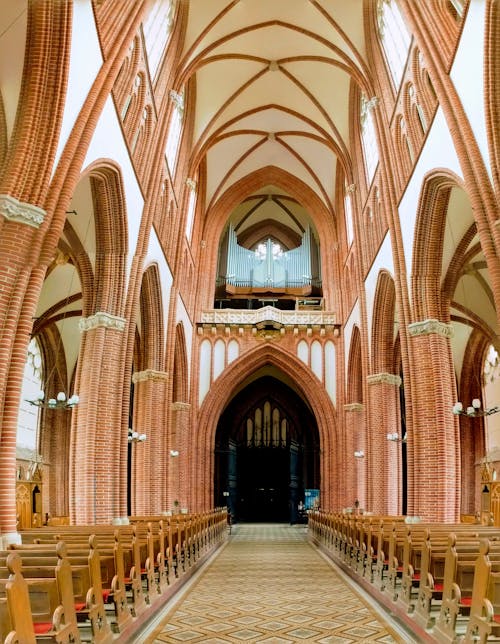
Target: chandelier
[
  {"x": 61, "y": 401},
  {"x": 135, "y": 437},
  {"x": 474, "y": 410}
]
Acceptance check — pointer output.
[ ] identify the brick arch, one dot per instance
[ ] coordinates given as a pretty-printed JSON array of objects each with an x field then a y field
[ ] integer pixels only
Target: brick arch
[
  {"x": 224, "y": 389},
  {"x": 180, "y": 376},
  {"x": 29, "y": 161},
  {"x": 382, "y": 337},
  {"x": 430, "y": 224},
  {"x": 152, "y": 340},
  {"x": 354, "y": 389},
  {"x": 492, "y": 87},
  {"x": 111, "y": 237},
  {"x": 321, "y": 217}
]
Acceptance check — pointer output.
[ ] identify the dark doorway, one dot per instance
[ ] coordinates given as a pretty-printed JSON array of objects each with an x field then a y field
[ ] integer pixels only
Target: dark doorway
[{"x": 267, "y": 453}]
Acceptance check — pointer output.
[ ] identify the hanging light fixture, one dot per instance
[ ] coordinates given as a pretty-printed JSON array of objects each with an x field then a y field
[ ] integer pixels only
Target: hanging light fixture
[
  {"x": 135, "y": 437},
  {"x": 60, "y": 402},
  {"x": 395, "y": 438},
  {"x": 474, "y": 410}
]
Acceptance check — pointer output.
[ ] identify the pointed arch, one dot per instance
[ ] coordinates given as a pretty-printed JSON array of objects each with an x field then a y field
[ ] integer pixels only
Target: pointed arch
[
  {"x": 224, "y": 389},
  {"x": 382, "y": 336}
]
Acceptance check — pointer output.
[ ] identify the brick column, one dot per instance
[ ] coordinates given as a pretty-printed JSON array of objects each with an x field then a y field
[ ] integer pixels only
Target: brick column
[
  {"x": 180, "y": 465},
  {"x": 355, "y": 468},
  {"x": 99, "y": 442},
  {"x": 384, "y": 456},
  {"x": 434, "y": 437},
  {"x": 149, "y": 459},
  {"x": 18, "y": 227}
]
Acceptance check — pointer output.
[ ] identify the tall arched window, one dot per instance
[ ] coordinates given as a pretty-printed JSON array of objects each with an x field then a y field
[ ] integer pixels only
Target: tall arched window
[
  {"x": 348, "y": 213},
  {"x": 191, "y": 184},
  {"x": 174, "y": 130},
  {"x": 368, "y": 136},
  {"x": 395, "y": 38},
  {"x": 27, "y": 427},
  {"x": 156, "y": 30}
]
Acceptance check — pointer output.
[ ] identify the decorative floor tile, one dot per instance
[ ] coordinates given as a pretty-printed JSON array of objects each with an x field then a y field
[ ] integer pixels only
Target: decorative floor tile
[{"x": 269, "y": 585}]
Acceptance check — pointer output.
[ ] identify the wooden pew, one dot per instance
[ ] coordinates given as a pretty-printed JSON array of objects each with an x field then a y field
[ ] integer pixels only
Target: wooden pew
[
  {"x": 484, "y": 620},
  {"x": 49, "y": 603}
]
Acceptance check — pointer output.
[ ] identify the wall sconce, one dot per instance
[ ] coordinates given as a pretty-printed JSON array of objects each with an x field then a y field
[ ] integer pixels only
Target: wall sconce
[
  {"x": 394, "y": 437},
  {"x": 359, "y": 453},
  {"x": 174, "y": 453},
  {"x": 135, "y": 437}
]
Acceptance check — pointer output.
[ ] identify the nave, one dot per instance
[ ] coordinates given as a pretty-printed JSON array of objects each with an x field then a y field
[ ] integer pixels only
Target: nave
[{"x": 270, "y": 584}]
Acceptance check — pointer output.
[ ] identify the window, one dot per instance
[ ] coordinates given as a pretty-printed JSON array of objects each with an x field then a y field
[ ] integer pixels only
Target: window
[
  {"x": 348, "y": 213},
  {"x": 368, "y": 136},
  {"x": 27, "y": 428},
  {"x": 395, "y": 38},
  {"x": 175, "y": 129},
  {"x": 191, "y": 184},
  {"x": 156, "y": 29}
]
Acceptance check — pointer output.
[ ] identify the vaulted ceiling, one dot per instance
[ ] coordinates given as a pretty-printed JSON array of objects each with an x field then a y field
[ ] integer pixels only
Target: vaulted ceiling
[{"x": 272, "y": 90}]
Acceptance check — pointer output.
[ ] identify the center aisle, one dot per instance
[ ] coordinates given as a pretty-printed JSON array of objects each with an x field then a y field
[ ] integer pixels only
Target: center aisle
[{"x": 269, "y": 584}]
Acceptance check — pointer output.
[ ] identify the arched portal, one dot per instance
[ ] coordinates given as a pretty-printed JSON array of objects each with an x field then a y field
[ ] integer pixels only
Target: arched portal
[{"x": 266, "y": 453}]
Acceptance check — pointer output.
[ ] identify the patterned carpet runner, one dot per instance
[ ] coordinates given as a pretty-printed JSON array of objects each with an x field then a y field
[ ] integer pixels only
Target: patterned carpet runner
[{"x": 269, "y": 585}]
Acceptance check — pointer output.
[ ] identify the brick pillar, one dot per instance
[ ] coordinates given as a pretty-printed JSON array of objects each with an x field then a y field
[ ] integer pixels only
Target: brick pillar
[
  {"x": 150, "y": 458},
  {"x": 384, "y": 455},
  {"x": 180, "y": 465},
  {"x": 99, "y": 442},
  {"x": 434, "y": 436},
  {"x": 355, "y": 468}
]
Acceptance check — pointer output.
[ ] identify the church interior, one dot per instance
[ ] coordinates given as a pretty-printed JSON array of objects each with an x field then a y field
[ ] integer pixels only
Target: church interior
[{"x": 248, "y": 252}]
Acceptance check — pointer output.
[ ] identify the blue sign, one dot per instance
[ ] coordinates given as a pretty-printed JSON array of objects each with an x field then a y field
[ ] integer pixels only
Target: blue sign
[{"x": 311, "y": 499}]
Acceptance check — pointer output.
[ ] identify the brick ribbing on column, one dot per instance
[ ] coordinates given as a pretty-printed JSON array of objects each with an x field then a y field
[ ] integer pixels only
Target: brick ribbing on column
[
  {"x": 384, "y": 456},
  {"x": 95, "y": 496},
  {"x": 436, "y": 438},
  {"x": 25, "y": 174},
  {"x": 180, "y": 421},
  {"x": 3, "y": 135},
  {"x": 492, "y": 88},
  {"x": 355, "y": 424}
]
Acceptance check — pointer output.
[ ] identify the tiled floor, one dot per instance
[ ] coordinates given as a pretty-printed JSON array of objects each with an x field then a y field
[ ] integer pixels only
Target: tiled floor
[{"x": 270, "y": 585}]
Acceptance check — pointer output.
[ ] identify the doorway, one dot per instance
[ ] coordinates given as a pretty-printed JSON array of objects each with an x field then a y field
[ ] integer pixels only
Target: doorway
[{"x": 267, "y": 453}]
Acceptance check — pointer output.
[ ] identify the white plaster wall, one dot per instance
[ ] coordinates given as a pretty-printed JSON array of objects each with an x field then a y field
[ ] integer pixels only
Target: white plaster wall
[
  {"x": 330, "y": 371},
  {"x": 13, "y": 23},
  {"x": 233, "y": 351},
  {"x": 85, "y": 62},
  {"x": 438, "y": 152},
  {"x": 156, "y": 256},
  {"x": 383, "y": 260},
  {"x": 467, "y": 74},
  {"x": 205, "y": 370},
  {"x": 317, "y": 360},
  {"x": 219, "y": 358},
  {"x": 108, "y": 143},
  {"x": 303, "y": 352}
]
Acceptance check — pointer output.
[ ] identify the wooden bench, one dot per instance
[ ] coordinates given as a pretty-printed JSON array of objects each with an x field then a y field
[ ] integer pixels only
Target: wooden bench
[
  {"x": 41, "y": 606},
  {"x": 484, "y": 620}
]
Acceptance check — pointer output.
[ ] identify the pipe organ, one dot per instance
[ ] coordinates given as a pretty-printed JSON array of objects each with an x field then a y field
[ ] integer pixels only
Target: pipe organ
[{"x": 269, "y": 269}]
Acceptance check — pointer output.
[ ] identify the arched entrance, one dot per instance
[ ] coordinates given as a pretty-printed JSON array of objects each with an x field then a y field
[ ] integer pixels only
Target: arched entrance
[{"x": 266, "y": 453}]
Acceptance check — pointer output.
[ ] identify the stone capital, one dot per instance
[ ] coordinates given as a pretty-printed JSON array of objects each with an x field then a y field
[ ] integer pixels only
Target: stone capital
[
  {"x": 353, "y": 407},
  {"x": 21, "y": 213},
  {"x": 102, "y": 319},
  {"x": 428, "y": 327},
  {"x": 149, "y": 374},
  {"x": 181, "y": 406},
  {"x": 386, "y": 378}
]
